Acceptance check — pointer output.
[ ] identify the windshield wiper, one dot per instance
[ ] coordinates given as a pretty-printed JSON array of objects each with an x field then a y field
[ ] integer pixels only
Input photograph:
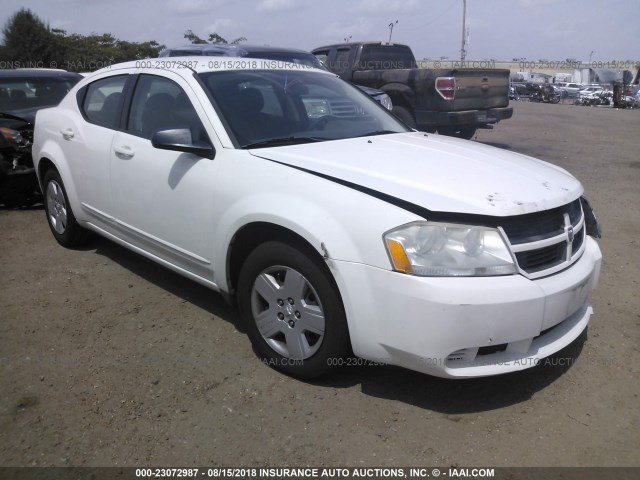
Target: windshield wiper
[{"x": 274, "y": 142}]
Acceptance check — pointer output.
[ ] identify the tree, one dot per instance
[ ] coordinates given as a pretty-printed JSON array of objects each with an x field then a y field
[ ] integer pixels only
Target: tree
[
  {"x": 193, "y": 38},
  {"x": 28, "y": 40},
  {"x": 214, "y": 38}
]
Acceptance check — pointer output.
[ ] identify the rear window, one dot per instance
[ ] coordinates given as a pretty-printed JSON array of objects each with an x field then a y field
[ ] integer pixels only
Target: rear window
[
  {"x": 386, "y": 57},
  {"x": 25, "y": 93},
  {"x": 184, "y": 53}
]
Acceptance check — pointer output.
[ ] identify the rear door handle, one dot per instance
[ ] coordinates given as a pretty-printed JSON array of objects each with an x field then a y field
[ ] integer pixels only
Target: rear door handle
[
  {"x": 67, "y": 133},
  {"x": 124, "y": 151}
]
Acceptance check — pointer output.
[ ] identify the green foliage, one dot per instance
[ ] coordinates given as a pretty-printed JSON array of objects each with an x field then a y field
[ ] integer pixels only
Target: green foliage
[
  {"x": 193, "y": 38},
  {"x": 27, "y": 39},
  {"x": 213, "y": 38},
  {"x": 29, "y": 42}
]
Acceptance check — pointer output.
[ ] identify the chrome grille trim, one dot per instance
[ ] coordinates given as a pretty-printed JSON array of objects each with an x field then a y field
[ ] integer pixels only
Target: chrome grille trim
[{"x": 559, "y": 243}]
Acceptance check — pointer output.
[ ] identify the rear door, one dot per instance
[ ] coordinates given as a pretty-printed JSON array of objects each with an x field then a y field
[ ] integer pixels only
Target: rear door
[{"x": 88, "y": 142}]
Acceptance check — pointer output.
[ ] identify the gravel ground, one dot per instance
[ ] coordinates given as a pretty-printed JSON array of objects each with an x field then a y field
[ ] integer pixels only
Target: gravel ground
[{"x": 107, "y": 359}]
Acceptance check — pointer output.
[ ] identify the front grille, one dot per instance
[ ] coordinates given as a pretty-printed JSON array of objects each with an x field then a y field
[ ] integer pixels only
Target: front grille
[
  {"x": 578, "y": 241},
  {"x": 545, "y": 241},
  {"x": 541, "y": 225},
  {"x": 539, "y": 259}
]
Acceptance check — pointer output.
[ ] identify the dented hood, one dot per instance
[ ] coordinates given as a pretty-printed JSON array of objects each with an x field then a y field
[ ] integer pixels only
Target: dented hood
[{"x": 438, "y": 173}]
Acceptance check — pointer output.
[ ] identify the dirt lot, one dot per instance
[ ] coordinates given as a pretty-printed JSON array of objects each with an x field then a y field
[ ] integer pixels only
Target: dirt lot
[{"x": 107, "y": 359}]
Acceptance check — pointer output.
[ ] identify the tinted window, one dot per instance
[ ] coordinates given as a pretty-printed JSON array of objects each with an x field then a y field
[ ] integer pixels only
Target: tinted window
[
  {"x": 184, "y": 53},
  {"x": 381, "y": 57},
  {"x": 340, "y": 62},
  {"x": 259, "y": 106},
  {"x": 22, "y": 93},
  {"x": 160, "y": 103},
  {"x": 322, "y": 55},
  {"x": 102, "y": 103}
]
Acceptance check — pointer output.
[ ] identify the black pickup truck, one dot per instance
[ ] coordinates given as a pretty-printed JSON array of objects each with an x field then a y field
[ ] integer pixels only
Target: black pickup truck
[{"x": 452, "y": 101}]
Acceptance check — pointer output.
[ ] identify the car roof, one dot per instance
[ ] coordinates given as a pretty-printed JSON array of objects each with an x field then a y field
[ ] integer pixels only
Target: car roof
[
  {"x": 240, "y": 49},
  {"x": 357, "y": 44},
  {"x": 38, "y": 73},
  {"x": 200, "y": 64}
]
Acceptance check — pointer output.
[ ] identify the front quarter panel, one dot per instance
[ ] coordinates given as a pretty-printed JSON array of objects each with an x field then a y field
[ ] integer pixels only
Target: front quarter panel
[{"x": 349, "y": 223}]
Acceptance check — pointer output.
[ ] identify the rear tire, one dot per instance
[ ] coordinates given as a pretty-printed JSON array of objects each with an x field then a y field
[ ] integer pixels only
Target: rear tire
[
  {"x": 60, "y": 217},
  {"x": 292, "y": 311}
]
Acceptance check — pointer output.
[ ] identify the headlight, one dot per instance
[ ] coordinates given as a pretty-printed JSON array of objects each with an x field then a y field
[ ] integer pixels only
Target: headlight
[
  {"x": 385, "y": 101},
  {"x": 12, "y": 137},
  {"x": 445, "y": 250}
]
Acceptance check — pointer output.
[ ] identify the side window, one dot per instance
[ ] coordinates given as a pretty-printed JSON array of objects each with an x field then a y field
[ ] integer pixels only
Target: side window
[
  {"x": 322, "y": 56},
  {"x": 160, "y": 103},
  {"x": 102, "y": 102},
  {"x": 340, "y": 62}
]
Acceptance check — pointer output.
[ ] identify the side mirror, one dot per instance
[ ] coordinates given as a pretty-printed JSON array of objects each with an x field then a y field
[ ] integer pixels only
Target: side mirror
[{"x": 179, "y": 140}]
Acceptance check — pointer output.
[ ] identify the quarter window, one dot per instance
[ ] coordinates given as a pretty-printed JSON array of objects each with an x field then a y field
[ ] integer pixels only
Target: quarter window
[{"x": 102, "y": 103}]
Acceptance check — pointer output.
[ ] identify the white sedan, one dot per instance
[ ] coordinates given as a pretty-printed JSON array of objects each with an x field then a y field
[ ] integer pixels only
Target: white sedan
[{"x": 335, "y": 227}]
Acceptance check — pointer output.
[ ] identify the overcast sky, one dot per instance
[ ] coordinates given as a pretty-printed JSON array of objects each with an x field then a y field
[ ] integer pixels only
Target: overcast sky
[{"x": 500, "y": 29}]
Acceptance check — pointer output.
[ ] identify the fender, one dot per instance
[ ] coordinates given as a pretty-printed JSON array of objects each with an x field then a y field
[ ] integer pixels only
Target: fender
[
  {"x": 399, "y": 91},
  {"x": 317, "y": 209},
  {"x": 51, "y": 151}
]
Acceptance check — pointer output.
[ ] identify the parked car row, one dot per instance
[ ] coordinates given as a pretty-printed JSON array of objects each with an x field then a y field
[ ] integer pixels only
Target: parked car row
[
  {"x": 607, "y": 98},
  {"x": 589, "y": 95}
]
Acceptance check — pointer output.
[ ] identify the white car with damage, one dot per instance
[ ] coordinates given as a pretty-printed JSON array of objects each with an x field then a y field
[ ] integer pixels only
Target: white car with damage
[{"x": 334, "y": 227}]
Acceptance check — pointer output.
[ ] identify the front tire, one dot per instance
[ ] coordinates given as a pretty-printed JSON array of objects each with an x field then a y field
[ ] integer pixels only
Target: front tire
[
  {"x": 60, "y": 217},
  {"x": 292, "y": 310}
]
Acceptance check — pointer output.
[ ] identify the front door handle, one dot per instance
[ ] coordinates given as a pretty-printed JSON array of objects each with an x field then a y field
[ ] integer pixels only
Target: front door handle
[{"x": 123, "y": 151}]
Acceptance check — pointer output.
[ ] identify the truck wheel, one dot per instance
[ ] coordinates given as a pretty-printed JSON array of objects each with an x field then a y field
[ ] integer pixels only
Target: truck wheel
[
  {"x": 406, "y": 116},
  {"x": 464, "y": 131},
  {"x": 292, "y": 311},
  {"x": 60, "y": 217}
]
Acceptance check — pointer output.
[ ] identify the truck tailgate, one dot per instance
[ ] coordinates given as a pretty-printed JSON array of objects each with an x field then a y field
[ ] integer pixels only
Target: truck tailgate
[
  {"x": 476, "y": 89},
  {"x": 480, "y": 89}
]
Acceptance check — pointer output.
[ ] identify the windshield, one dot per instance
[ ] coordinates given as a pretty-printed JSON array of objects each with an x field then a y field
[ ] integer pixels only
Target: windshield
[
  {"x": 30, "y": 93},
  {"x": 279, "y": 107}
]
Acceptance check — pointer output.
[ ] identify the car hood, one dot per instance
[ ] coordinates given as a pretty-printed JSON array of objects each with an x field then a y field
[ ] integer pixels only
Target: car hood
[
  {"x": 27, "y": 115},
  {"x": 439, "y": 173},
  {"x": 372, "y": 92}
]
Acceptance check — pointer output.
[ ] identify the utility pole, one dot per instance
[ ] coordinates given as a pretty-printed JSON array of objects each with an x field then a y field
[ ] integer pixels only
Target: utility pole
[{"x": 463, "y": 51}]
